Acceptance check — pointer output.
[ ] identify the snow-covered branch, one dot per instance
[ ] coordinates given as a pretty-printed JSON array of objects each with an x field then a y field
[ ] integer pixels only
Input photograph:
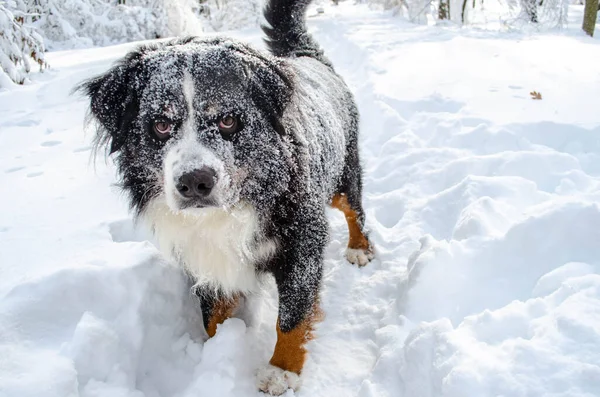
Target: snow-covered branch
[{"x": 20, "y": 44}]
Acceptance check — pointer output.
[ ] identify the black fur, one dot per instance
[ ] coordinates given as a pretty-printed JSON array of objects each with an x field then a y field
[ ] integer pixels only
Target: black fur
[
  {"x": 287, "y": 35},
  {"x": 297, "y": 148}
]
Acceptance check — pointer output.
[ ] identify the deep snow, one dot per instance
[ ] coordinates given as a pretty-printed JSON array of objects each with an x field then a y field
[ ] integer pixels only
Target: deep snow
[{"x": 483, "y": 205}]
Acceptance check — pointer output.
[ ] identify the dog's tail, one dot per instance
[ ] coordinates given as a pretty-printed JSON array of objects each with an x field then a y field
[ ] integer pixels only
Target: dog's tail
[{"x": 287, "y": 35}]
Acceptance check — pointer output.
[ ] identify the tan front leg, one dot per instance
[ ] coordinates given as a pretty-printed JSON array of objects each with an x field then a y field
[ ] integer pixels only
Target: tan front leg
[
  {"x": 288, "y": 359},
  {"x": 290, "y": 352},
  {"x": 221, "y": 311}
]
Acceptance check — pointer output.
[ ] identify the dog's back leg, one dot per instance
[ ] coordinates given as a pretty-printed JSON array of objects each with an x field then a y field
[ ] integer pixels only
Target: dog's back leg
[{"x": 348, "y": 199}]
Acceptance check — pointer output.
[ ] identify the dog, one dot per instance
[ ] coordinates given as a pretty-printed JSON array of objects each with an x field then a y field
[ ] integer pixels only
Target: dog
[{"x": 232, "y": 155}]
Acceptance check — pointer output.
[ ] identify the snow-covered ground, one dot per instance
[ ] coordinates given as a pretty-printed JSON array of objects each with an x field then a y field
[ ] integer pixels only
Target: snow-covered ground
[{"x": 484, "y": 206}]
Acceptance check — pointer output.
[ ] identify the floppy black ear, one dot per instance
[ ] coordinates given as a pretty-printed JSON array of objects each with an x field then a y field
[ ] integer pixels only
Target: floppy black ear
[
  {"x": 272, "y": 90},
  {"x": 271, "y": 82},
  {"x": 113, "y": 104}
]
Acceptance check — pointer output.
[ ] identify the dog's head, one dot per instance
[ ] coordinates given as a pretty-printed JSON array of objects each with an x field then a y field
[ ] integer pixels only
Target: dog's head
[{"x": 196, "y": 123}]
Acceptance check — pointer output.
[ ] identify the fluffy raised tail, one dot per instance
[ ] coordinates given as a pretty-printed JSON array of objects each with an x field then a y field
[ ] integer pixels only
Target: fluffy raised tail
[{"x": 287, "y": 35}]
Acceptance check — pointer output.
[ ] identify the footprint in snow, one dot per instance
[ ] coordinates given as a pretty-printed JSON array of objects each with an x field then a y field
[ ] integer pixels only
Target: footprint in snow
[
  {"x": 27, "y": 122},
  {"x": 34, "y": 174},
  {"x": 389, "y": 215},
  {"x": 82, "y": 149},
  {"x": 50, "y": 143},
  {"x": 14, "y": 169}
]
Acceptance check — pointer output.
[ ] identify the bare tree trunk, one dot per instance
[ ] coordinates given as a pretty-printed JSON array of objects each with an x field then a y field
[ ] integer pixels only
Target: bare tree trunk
[
  {"x": 444, "y": 9},
  {"x": 590, "y": 14},
  {"x": 462, "y": 14},
  {"x": 531, "y": 9}
]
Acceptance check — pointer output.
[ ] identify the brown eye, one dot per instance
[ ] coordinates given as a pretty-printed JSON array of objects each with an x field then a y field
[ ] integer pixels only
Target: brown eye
[
  {"x": 162, "y": 129},
  {"x": 228, "y": 125}
]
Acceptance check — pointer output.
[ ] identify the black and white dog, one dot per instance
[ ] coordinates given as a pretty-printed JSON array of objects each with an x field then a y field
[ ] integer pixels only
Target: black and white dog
[{"x": 232, "y": 156}]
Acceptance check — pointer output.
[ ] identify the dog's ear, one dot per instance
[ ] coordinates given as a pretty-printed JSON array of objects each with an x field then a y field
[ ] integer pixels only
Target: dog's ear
[
  {"x": 113, "y": 104},
  {"x": 272, "y": 87}
]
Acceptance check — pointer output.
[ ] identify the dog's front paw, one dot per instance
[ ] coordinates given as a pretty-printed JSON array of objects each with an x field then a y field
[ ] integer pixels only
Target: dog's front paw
[
  {"x": 276, "y": 381},
  {"x": 359, "y": 256}
]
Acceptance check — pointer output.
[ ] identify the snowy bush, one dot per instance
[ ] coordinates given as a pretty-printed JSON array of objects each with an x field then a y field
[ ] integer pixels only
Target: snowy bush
[
  {"x": 27, "y": 27},
  {"x": 231, "y": 14},
  {"x": 20, "y": 45},
  {"x": 83, "y": 23},
  {"x": 546, "y": 14}
]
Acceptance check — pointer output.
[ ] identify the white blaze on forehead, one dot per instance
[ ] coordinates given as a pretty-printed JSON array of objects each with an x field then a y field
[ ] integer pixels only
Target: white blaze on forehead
[
  {"x": 189, "y": 91},
  {"x": 188, "y": 129}
]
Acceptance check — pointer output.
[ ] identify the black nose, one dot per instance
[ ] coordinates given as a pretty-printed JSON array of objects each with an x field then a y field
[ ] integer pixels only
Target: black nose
[{"x": 197, "y": 183}]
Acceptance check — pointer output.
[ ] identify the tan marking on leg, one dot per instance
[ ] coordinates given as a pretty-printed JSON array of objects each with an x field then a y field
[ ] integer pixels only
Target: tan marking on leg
[
  {"x": 222, "y": 310},
  {"x": 290, "y": 352},
  {"x": 357, "y": 239}
]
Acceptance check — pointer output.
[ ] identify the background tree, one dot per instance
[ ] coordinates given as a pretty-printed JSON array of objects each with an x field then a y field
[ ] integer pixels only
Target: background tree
[
  {"x": 590, "y": 15},
  {"x": 444, "y": 9},
  {"x": 531, "y": 8}
]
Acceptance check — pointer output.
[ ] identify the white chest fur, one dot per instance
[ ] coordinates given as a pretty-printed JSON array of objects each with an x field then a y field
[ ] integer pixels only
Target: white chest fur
[{"x": 218, "y": 247}]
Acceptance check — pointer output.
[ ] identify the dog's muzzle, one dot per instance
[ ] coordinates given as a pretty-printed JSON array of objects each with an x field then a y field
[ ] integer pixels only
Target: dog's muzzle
[{"x": 194, "y": 177}]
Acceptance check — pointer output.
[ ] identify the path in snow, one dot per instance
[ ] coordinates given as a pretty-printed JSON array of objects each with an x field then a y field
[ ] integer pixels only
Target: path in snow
[
  {"x": 482, "y": 203},
  {"x": 500, "y": 190}
]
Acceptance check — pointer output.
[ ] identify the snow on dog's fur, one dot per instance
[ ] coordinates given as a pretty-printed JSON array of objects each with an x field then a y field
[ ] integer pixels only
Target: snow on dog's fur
[{"x": 231, "y": 155}]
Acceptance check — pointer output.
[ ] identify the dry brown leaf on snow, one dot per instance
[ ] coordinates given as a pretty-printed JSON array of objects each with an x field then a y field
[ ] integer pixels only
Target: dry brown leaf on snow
[{"x": 535, "y": 95}]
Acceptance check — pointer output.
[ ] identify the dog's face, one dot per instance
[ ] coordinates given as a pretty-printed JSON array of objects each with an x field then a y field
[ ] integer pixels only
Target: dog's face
[{"x": 196, "y": 123}]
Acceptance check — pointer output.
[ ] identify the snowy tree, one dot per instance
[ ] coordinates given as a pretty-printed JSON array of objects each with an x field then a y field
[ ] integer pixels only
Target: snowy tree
[
  {"x": 20, "y": 45},
  {"x": 531, "y": 8},
  {"x": 517, "y": 13},
  {"x": 590, "y": 15},
  {"x": 414, "y": 10},
  {"x": 463, "y": 10}
]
